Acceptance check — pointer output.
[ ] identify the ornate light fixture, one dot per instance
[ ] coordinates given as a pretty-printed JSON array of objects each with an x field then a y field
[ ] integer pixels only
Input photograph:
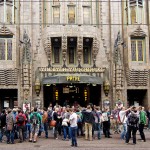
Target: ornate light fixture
[
  {"x": 106, "y": 87},
  {"x": 37, "y": 86}
]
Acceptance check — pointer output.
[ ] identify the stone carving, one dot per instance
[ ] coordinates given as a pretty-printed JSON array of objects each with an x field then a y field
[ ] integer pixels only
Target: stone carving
[
  {"x": 26, "y": 48},
  {"x": 79, "y": 50},
  {"x": 64, "y": 49},
  {"x": 138, "y": 33},
  {"x": 5, "y": 31}
]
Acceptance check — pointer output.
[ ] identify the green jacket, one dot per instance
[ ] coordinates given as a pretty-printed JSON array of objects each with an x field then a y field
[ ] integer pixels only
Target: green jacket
[
  {"x": 38, "y": 116},
  {"x": 142, "y": 117}
]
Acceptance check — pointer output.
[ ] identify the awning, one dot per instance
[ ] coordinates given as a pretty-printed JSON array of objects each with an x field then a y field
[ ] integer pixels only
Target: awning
[{"x": 72, "y": 78}]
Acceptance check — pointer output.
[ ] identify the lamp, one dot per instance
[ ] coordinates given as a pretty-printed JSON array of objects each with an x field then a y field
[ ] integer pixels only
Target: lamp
[
  {"x": 106, "y": 87},
  {"x": 37, "y": 86}
]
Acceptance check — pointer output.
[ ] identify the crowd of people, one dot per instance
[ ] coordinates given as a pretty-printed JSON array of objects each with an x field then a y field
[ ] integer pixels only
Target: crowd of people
[{"x": 70, "y": 122}]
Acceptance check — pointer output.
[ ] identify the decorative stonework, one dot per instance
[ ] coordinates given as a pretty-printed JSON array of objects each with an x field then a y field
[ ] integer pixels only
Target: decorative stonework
[
  {"x": 137, "y": 77},
  {"x": 138, "y": 33},
  {"x": 8, "y": 77},
  {"x": 5, "y": 31},
  {"x": 64, "y": 49},
  {"x": 79, "y": 49}
]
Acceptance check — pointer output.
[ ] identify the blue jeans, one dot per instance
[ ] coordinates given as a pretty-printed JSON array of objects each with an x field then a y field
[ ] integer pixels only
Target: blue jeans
[
  {"x": 149, "y": 124},
  {"x": 10, "y": 136},
  {"x": 28, "y": 130},
  {"x": 65, "y": 128},
  {"x": 46, "y": 129},
  {"x": 1, "y": 134},
  {"x": 97, "y": 127},
  {"x": 123, "y": 133},
  {"x": 74, "y": 135}
]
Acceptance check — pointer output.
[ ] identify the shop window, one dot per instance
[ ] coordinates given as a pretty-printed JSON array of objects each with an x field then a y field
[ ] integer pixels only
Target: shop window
[
  {"x": 137, "y": 49},
  {"x": 5, "y": 49},
  {"x": 71, "y": 14}
]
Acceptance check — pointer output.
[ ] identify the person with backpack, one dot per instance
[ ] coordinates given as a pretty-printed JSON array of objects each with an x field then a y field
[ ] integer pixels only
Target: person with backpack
[
  {"x": 35, "y": 120},
  {"x": 132, "y": 125},
  {"x": 20, "y": 120},
  {"x": 10, "y": 127},
  {"x": 2, "y": 124},
  {"x": 79, "y": 122}
]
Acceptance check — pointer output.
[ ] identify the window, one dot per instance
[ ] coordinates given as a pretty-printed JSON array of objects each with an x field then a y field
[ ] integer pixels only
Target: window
[
  {"x": 7, "y": 11},
  {"x": 86, "y": 15},
  {"x": 71, "y": 14},
  {"x": 72, "y": 45},
  {"x": 56, "y": 14},
  {"x": 87, "y": 46},
  {"x": 137, "y": 49},
  {"x": 136, "y": 11},
  {"x": 5, "y": 49},
  {"x": 56, "y": 49}
]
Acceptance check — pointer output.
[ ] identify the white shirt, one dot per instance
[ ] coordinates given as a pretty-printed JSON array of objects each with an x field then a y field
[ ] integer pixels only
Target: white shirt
[
  {"x": 122, "y": 115},
  {"x": 73, "y": 120}
]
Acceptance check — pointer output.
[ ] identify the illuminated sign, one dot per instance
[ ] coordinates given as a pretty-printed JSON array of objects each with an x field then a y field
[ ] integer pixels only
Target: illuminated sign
[{"x": 73, "y": 78}]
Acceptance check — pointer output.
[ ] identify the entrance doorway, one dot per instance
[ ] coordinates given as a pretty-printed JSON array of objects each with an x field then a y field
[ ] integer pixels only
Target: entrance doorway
[
  {"x": 8, "y": 98},
  {"x": 72, "y": 94},
  {"x": 137, "y": 97}
]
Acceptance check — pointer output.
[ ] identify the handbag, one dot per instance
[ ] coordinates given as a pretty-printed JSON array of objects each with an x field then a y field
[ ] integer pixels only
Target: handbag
[
  {"x": 52, "y": 123},
  {"x": 9, "y": 127}
]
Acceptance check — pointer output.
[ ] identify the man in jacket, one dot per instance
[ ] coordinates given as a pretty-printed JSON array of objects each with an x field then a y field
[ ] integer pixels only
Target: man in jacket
[
  {"x": 88, "y": 119},
  {"x": 2, "y": 124}
]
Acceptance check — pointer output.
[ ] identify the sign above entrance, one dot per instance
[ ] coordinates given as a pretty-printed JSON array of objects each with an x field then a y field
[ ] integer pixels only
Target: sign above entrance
[
  {"x": 73, "y": 78},
  {"x": 57, "y": 69}
]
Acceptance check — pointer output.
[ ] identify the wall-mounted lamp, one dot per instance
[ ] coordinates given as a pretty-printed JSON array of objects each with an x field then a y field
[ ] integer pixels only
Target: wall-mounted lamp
[{"x": 106, "y": 87}]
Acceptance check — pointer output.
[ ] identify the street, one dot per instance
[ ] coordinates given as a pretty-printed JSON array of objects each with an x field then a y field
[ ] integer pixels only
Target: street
[{"x": 113, "y": 143}]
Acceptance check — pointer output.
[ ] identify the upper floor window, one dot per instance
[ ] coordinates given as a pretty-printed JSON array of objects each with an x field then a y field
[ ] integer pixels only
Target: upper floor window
[
  {"x": 72, "y": 45},
  {"x": 137, "y": 49},
  {"x": 87, "y": 49},
  {"x": 56, "y": 14},
  {"x": 86, "y": 14},
  {"x": 56, "y": 49},
  {"x": 71, "y": 14},
  {"x": 5, "y": 48},
  {"x": 136, "y": 11},
  {"x": 7, "y": 11}
]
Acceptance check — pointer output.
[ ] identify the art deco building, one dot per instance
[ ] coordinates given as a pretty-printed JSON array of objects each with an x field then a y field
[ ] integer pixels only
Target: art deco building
[{"x": 89, "y": 51}]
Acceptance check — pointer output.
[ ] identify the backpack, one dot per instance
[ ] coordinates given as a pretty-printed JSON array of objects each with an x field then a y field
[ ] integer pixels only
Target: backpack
[
  {"x": 50, "y": 113},
  {"x": 133, "y": 119},
  {"x": 21, "y": 119},
  {"x": 34, "y": 119}
]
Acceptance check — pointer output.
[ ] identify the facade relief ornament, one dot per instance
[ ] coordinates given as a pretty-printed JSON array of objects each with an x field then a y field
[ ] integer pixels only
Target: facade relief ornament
[
  {"x": 79, "y": 50},
  {"x": 138, "y": 33},
  {"x": 64, "y": 50},
  {"x": 4, "y": 31}
]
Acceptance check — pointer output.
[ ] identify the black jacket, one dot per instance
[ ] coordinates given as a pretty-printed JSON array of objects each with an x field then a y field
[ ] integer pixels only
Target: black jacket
[{"x": 88, "y": 117}]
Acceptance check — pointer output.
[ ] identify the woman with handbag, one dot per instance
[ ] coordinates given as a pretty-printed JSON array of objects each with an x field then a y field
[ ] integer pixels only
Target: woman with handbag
[{"x": 10, "y": 127}]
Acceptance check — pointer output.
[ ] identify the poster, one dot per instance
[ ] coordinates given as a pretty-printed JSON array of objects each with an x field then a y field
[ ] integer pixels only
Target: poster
[
  {"x": 6, "y": 104},
  {"x": 26, "y": 106}
]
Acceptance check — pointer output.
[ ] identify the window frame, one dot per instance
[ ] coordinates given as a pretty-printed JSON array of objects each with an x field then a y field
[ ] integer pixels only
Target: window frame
[
  {"x": 6, "y": 49},
  {"x": 75, "y": 15},
  {"x": 136, "y": 40}
]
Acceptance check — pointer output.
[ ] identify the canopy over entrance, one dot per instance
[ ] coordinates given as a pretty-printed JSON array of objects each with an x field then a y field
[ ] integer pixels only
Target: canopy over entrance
[{"x": 72, "y": 78}]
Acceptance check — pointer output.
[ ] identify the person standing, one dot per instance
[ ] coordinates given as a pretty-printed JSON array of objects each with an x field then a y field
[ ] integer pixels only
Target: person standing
[
  {"x": 10, "y": 127},
  {"x": 88, "y": 119},
  {"x": 20, "y": 120},
  {"x": 45, "y": 121},
  {"x": 148, "y": 117},
  {"x": 2, "y": 124},
  {"x": 35, "y": 119},
  {"x": 73, "y": 127},
  {"x": 132, "y": 124},
  {"x": 142, "y": 122}
]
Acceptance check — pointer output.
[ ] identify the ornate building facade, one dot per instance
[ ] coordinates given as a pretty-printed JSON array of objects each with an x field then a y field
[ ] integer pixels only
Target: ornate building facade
[{"x": 75, "y": 52}]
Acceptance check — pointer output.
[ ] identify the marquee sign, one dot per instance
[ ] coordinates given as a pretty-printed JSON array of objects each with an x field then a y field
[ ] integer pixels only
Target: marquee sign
[{"x": 84, "y": 70}]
